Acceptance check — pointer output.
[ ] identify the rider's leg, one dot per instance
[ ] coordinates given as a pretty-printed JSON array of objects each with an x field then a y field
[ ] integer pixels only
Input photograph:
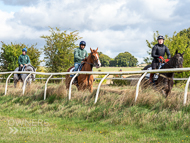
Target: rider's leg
[
  {"x": 19, "y": 69},
  {"x": 153, "y": 68},
  {"x": 76, "y": 69},
  {"x": 76, "y": 66}
]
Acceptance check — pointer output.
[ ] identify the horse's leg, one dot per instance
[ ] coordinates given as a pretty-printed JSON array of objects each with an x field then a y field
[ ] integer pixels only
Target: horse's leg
[
  {"x": 15, "y": 83},
  {"x": 91, "y": 80},
  {"x": 169, "y": 88}
]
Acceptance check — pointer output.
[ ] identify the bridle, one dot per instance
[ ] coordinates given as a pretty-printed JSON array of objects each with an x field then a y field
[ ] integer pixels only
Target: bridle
[{"x": 94, "y": 60}]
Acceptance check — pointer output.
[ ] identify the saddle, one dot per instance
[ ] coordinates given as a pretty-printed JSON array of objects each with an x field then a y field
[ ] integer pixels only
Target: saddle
[{"x": 155, "y": 75}]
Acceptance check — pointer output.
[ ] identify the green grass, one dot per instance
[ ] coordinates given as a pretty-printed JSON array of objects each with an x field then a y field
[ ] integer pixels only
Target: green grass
[
  {"x": 115, "y": 118},
  {"x": 116, "y": 69}
]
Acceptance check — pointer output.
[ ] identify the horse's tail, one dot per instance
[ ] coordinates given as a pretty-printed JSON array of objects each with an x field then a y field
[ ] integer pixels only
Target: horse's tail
[{"x": 146, "y": 67}]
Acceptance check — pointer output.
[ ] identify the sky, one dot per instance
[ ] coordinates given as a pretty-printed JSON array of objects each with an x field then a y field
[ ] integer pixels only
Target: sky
[{"x": 113, "y": 26}]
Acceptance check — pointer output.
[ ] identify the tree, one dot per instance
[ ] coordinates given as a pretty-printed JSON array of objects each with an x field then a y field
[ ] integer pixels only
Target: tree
[
  {"x": 104, "y": 59},
  {"x": 126, "y": 60},
  {"x": 179, "y": 41},
  {"x": 59, "y": 50},
  {"x": 10, "y": 52}
]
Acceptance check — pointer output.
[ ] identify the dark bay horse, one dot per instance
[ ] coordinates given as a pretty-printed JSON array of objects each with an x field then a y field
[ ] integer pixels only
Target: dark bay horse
[
  {"x": 165, "y": 80},
  {"x": 85, "y": 81}
]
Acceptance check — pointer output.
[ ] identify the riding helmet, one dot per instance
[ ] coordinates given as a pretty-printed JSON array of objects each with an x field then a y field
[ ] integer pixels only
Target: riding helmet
[
  {"x": 24, "y": 49},
  {"x": 160, "y": 37},
  {"x": 83, "y": 43}
]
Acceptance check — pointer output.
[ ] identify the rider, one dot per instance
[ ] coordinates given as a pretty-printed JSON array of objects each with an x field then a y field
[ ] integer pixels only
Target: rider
[
  {"x": 158, "y": 52},
  {"x": 79, "y": 55},
  {"x": 23, "y": 59}
]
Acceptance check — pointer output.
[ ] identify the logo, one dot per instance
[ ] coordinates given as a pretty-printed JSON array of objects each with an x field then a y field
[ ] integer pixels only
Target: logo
[
  {"x": 33, "y": 126},
  {"x": 26, "y": 57}
]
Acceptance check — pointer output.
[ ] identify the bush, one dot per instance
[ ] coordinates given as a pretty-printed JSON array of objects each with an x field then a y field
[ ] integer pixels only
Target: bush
[
  {"x": 98, "y": 80},
  {"x": 118, "y": 82}
]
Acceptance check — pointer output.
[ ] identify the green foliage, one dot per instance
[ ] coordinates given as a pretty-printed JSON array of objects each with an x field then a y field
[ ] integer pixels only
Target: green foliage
[
  {"x": 59, "y": 50},
  {"x": 104, "y": 59},
  {"x": 179, "y": 41},
  {"x": 98, "y": 80},
  {"x": 125, "y": 60},
  {"x": 10, "y": 52}
]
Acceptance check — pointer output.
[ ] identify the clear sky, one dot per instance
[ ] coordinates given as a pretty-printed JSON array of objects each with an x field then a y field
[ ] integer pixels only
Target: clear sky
[{"x": 112, "y": 25}]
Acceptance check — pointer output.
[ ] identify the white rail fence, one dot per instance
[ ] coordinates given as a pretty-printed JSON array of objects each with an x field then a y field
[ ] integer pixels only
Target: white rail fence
[{"x": 143, "y": 72}]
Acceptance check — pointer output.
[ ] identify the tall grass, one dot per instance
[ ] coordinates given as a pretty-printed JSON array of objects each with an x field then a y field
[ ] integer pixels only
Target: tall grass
[{"x": 115, "y": 106}]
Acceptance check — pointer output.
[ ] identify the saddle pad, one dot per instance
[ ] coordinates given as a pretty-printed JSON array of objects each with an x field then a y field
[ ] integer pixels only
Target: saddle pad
[
  {"x": 79, "y": 68},
  {"x": 72, "y": 69}
]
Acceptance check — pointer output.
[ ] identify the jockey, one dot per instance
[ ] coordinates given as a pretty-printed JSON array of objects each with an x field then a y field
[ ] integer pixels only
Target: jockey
[
  {"x": 79, "y": 55},
  {"x": 158, "y": 52},
  {"x": 23, "y": 59}
]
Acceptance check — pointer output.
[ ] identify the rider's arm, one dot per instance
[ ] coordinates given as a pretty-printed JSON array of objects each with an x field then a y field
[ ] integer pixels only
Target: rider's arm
[
  {"x": 28, "y": 60},
  {"x": 154, "y": 52},
  {"x": 168, "y": 53},
  {"x": 76, "y": 55}
]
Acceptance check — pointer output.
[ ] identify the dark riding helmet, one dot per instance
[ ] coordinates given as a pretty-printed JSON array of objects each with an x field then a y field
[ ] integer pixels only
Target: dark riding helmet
[
  {"x": 160, "y": 37},
  {"x": 83, "y": 43}
]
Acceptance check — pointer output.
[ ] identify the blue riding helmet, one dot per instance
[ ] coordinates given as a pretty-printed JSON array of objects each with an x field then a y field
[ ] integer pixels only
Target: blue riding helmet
[
  {"x": 24, "y": 49},
  {"x": 83, "y": 43}
]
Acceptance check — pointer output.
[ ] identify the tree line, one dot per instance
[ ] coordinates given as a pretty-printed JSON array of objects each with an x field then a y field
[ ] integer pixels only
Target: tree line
[
  {"x": 121, "y": 60},
  {"x": 58, "y": 53}
]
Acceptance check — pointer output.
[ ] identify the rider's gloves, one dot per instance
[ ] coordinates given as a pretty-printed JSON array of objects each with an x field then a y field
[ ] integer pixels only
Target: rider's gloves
[
  {"x": 161, "y": 57},
  {"x": 166, "y": 60}
]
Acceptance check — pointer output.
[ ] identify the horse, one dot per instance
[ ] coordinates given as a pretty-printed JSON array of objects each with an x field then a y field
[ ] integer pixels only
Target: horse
[
  {"x": 85, "y": 81},
  {"x": 23, "y": 76},
  {"x": 165, "y": 80}
]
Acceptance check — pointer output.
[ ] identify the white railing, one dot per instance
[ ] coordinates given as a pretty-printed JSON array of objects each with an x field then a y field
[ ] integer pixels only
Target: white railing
[{"x": 144, "y": 72}]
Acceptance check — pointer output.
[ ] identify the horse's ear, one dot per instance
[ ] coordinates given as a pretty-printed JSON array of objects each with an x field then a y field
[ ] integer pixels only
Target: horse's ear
[
  {"x": 182, "y": 54},
  {"x": 97, "y": 49},
  {"x": 176, "y": 52},
  {"x": 91, "y": 50}
]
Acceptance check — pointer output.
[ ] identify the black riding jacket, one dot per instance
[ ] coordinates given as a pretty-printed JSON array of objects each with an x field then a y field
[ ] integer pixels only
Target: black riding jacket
[{"x": 160, "y": 50}]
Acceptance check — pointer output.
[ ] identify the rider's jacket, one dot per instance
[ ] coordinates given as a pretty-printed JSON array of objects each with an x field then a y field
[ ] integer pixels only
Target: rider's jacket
[
  {"x": 160, "y": 50},
  {"x": 79, "y": 55},
  {"x": 23, "y": 59}
]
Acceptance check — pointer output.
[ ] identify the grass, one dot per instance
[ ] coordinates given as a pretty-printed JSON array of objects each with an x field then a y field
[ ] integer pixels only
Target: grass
[{"x": 115, "y": 117}]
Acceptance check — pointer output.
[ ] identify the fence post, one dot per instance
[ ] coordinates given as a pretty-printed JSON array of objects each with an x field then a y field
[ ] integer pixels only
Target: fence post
[
  {"x": 46, "y": 87},
  {"x": 185, "y": 93},
  {"x": 71, "y": 85},
  {"x": 7, "y": 83},
  {"x": 24, "y": 84},
  {"x": 138, "y": 84},
  {"x": 98, "y": 89}
]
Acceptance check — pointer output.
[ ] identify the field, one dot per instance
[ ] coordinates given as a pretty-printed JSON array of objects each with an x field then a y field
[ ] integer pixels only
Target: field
[
  {"x": 116, "y": 69},
  {"x": 115, "y": 117}
]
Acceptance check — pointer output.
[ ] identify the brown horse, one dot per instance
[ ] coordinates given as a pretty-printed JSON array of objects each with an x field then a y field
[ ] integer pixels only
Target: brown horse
[
  {"x": 165, "y": 80},
  {"x": 85, "y": 81}
]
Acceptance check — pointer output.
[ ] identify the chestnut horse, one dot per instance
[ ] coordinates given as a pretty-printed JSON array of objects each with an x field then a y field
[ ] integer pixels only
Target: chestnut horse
[{"x": 85, "y": 81}]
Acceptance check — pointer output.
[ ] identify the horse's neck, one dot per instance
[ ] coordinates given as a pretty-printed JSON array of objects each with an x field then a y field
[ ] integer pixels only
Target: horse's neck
[{"x": 87, "y": 66}]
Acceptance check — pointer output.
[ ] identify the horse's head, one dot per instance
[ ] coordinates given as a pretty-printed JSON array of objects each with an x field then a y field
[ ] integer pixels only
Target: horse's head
[
  {"x": 30, "y": 68},
  {"x": 178, "y": 60},
  {"x": 95, "y": 58}
]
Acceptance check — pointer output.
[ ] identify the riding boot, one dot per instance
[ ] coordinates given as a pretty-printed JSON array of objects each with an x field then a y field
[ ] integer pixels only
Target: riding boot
[{"x": 151, "y": 77}]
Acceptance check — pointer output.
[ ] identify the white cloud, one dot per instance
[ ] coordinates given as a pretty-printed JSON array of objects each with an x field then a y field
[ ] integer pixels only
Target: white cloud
[{"x": 114, "y": 26}]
